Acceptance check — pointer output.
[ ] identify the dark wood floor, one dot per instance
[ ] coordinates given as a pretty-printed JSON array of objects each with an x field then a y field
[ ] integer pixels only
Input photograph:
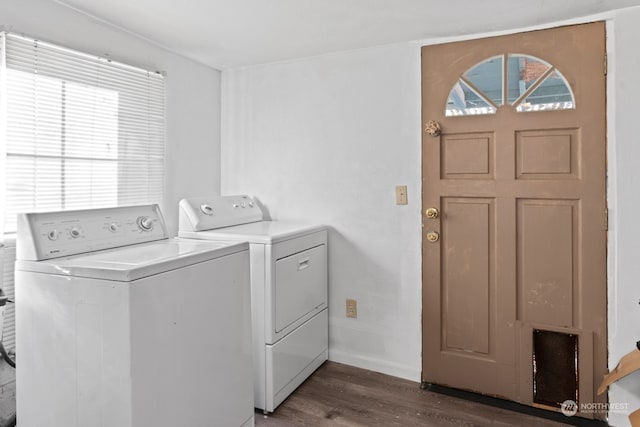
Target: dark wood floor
[{"x": 341, "y": 395}]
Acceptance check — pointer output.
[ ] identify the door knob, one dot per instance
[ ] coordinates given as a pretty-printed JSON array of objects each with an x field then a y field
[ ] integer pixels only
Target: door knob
[
  {"x": 432, "y": 213},
  {"x": 433, "y": 236},
  {"x": 432, "y": 128}
]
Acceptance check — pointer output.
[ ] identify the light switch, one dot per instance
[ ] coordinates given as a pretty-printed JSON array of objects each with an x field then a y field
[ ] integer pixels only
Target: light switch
[{"x": 401, "y": 195}]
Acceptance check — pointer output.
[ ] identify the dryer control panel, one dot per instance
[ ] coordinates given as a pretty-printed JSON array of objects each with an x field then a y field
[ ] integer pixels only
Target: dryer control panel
[
  {"x": 49, "y": 235},
  {"x": 210, "y": 212}
]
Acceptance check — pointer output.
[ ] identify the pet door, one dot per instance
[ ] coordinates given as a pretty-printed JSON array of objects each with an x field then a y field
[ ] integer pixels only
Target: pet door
[{"x": 555, "y": 367}]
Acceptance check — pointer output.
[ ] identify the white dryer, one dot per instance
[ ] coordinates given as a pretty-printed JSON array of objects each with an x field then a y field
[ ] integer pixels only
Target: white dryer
[
  {"x": 118, "y": 325},
  {"x": 288, "y": 288}
]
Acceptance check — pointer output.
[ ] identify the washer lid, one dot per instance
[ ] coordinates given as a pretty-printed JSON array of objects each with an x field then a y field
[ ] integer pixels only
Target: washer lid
[
  {"x": 136, "y": 261},
  {"x": 265, "y": 232}
]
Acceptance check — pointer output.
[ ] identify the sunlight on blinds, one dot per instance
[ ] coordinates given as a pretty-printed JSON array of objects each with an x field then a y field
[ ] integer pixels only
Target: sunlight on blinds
[{"x": 81, "y": 131}]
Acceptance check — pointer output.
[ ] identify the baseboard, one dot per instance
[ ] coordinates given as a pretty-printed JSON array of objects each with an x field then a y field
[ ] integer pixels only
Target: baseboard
[{"x": 376, "y": 365}]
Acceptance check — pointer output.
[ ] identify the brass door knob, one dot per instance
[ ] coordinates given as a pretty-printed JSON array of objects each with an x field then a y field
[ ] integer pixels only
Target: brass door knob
[
  {"x": 433, "y": 236},
  {"x": 432, "y": 213}
]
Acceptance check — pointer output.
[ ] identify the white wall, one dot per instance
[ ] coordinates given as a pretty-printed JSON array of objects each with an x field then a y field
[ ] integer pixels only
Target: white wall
[
  {"x": 624, "y": 203},
  {"x": 192, "y": 91},
  {"x": 327, "y": 138}
]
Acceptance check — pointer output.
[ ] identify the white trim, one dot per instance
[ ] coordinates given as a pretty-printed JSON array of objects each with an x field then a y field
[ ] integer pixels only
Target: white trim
[{"x": 612, "y": 192}]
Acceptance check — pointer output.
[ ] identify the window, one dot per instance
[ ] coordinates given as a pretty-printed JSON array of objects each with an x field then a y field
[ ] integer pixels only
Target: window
[
  {"x": 76, "y": 131},
  {"x": 524, "y": 82}
]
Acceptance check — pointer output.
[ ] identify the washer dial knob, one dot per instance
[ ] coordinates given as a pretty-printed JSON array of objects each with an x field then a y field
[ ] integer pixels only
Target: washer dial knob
[
  {"x": 113, "y": 227},
  {"x": 53, "y": 235},
  {"x": 145, "y": 223},
  {"x": 75, "y": 232}
]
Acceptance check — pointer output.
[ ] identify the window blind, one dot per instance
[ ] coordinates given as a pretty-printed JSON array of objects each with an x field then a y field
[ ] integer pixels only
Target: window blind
[
  {"x": 81, "y": 131},
  {"x": 76, "y": 131}
]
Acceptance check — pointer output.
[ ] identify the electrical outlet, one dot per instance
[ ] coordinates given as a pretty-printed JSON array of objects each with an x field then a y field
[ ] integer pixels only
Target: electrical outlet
[
  {"x": 401, "y": 195},
  {"x": 352, "y": 308}
]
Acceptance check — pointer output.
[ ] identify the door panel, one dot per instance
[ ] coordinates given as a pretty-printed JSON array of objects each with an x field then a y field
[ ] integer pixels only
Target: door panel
[
  {"x": 518, "y": 173},
  {"x": 547, "y": 262},
  {"x": 467, "y": 156},
  {"x": 547, "y": 154},
  {"x": 466, "y": 321}
]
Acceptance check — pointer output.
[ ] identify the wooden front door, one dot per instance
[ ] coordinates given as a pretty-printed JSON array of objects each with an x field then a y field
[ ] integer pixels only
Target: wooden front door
[{"x": 514, "y": 215}]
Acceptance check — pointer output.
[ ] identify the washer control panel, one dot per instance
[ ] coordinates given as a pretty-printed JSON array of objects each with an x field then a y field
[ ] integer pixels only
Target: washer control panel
[
  {"x": 207, "y": 213},
  {"x": 55, "y": 234}
]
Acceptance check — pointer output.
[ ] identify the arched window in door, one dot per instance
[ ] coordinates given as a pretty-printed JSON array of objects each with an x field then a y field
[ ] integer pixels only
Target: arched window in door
[{"x": 523, "y": 82}]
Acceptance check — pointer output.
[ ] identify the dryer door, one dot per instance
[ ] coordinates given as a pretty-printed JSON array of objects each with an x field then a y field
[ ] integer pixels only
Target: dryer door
[{"x": 300, "y": 286}]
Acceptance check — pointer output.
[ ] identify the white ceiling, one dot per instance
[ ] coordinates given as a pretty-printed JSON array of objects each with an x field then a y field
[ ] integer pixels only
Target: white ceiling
[{"x": 231, "y": 33}]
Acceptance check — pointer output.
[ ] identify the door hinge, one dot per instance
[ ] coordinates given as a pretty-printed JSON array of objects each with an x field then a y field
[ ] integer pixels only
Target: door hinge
[
  {"x": 606, "y": 65},
  {"x": 606, "y": 219}
]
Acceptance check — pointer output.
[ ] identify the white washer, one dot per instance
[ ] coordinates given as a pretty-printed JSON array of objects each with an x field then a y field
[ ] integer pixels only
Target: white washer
[
  {"x": 288, "y": 288},
  {"x": 118, "y": 325}
]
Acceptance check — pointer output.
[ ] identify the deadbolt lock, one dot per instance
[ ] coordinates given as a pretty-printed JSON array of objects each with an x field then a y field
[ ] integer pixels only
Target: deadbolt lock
[
  {"x": 433, "y": 236},
  {"x": 432, "y": 213}
]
